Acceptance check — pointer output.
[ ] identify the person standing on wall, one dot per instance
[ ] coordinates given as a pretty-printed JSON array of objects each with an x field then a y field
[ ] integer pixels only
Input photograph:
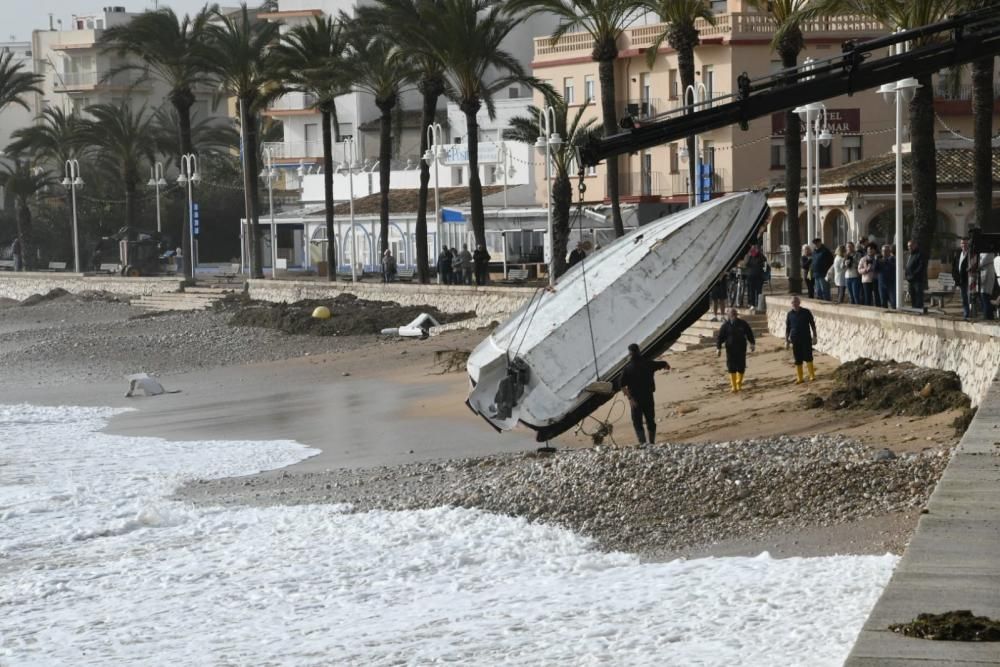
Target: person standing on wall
[
  {"x": 987, "y": 283},
  {"x": 800, "y": 335},
  {"x": 851, "y": 275},
  {"x": 17, "y": 254},
  {"x": 822, "y": 261},
  {"x": 735, "y": 334},
  {"x": 960, "y": 269},
  {"x": 755, "y": 267},
  {"x": 638, "y": 385},
  {"x": 481, "y": 263},
  {"x": 465, "y": 260},
  {"x": 916, "y": 274},
  {"x": 885, "y": 277}
]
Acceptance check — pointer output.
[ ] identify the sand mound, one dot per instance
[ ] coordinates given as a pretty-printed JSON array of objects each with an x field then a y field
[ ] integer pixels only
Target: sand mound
[
  {"x": 35, "y": 299},
  {"x": 351, "y": 316},
  {"x": 959, "y": 626},
  {"x": 901, "y": 388}
]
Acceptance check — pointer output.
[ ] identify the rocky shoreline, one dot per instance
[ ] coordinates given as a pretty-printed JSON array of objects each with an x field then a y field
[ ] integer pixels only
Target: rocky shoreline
[{"x": 650, "y": 500}]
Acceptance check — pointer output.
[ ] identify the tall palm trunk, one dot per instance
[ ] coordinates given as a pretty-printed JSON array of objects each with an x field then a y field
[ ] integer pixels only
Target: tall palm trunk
[
  {"x": 793, "y": 175},
  {"x": 331, "y": 235},
  {"x": 130, "y": 217},
  {"x": 477, "y": 214},
  {"x": 335, "y": 122},
  {"x": 923, "y": 161},
  {"x": 562, "y": 200},
  {"x": 23, "y": 218},
  {"x": 605, "y": 55},
  {"x": 684, "y": 45},
  {"x": 384, "y": 169},
  {"x": 182, "y": 102},
  {"x": 431, "y": 88},
  {"x": 982, "y": 114},
  {"x": 250, "y": 191}
]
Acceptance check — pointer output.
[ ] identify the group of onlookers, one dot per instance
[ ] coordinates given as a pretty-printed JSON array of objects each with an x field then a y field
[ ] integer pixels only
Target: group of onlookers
[
  {"x": 975, "y": 276},
  {"x": 863, "y": 273},
  {"x": 461, "y": 267}
]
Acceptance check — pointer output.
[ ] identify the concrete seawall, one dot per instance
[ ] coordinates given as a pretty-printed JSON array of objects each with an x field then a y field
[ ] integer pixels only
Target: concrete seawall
[
  {"x": 21, "y": 285},
  {"x": 489, "y": 303},
  {"x": 972, "y": 350}
]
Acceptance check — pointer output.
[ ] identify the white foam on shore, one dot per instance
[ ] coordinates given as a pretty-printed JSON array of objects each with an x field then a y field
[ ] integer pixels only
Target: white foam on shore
[{"x": 98, "y": 567}]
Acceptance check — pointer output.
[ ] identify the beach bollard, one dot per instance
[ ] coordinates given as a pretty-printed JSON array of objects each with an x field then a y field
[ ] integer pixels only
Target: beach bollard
[{"x": 322, "y": 313}]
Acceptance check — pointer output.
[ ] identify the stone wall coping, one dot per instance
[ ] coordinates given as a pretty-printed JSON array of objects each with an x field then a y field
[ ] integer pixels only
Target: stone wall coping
[
  {"x": 60, "y": 276},
  {"x": 342, "y": 285}
]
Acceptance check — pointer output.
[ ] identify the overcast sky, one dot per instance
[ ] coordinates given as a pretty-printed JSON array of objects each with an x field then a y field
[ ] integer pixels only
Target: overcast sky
[{"x": 19, "y": 17}]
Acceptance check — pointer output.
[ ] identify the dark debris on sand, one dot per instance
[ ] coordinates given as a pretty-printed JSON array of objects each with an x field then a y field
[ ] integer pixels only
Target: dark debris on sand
[
  {"x": 959, "y": 626},
  {"x": 900, "y": 388}
]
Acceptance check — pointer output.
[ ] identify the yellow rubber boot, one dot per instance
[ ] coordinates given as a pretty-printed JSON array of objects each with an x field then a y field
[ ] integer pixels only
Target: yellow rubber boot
[
  {"x": 739, "y": 382},
  {"x": 732, "y": 383},
  {"x": 798, "y": 374},
  {"x": 812, "y": 370}
]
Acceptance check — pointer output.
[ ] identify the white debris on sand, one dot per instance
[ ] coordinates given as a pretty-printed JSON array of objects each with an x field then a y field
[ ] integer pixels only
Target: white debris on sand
[{"x": 97, "y": 566}]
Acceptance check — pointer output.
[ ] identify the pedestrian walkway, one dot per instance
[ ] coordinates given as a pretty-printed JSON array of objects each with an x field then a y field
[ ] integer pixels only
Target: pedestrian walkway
[{"x": 952, "y": 562}]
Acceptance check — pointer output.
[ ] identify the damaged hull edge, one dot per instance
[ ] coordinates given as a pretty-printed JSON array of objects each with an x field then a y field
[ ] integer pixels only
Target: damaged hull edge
[{"x": 646, "y": 287}]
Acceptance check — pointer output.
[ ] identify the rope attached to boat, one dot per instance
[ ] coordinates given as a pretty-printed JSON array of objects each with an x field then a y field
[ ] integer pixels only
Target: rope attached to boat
[{"x": 582, "y": 188}]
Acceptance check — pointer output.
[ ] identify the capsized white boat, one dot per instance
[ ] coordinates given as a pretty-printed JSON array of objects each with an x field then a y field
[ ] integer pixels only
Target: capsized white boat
[{"x": 539, "y": 367}]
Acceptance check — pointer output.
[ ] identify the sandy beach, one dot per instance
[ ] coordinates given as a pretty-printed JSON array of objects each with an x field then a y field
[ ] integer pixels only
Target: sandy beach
[{"x": 378, "y": 409}]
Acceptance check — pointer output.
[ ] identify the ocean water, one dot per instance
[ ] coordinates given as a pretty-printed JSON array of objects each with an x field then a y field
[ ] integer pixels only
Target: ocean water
[{"x": 97, "y": 567}]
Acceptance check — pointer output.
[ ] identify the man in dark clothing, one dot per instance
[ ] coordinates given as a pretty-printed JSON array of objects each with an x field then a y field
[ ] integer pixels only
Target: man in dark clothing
[
  {"x": 916, "y": 275},
  {"x": 800, "y": 334},
  {"x": 16, "y": 254},
  {"x": 960, "y": 267},
  {"x": 885, "y": 277},
  {"x": 577, "y": 255},
  {"x": 444, "y": 266},
  {"x": 735, "y": 334},
  {"x": 822, "y": 261},
  {"x": 638, "y": 385},
  {"x": 754, "y": 269},
  {"x": 481, "y": 264}
]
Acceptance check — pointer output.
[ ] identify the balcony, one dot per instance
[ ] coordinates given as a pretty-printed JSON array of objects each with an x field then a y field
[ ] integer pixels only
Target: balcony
[
  {"x": 641, "y": 109},
  {"x": 302, "y": 150},
  {"x": 293, "y": 104},
  {"x": 680, "y": 183},
  {"x": 66, "y": 82},
  {"x": 962, "y": 92},
  {"x": 641, "y": 184},
  {"x": 729, "y": 27},
  {"x": 714, "y": 97}
]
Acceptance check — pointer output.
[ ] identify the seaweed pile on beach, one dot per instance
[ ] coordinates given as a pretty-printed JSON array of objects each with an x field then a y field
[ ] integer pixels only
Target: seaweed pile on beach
[
  {"x": 961, "y": 626},
  {"x": 349, "y": 316},
  {"x": 899, "y": 388}
]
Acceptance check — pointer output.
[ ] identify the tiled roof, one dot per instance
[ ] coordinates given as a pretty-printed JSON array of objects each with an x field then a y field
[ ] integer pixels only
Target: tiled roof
[{"x": 954, "y": 168}]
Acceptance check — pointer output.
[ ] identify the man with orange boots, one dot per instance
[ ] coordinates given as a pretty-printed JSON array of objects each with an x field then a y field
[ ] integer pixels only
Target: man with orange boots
[
  {"x": 735, "y": 334},
  {"x": 800, "y": 335}
]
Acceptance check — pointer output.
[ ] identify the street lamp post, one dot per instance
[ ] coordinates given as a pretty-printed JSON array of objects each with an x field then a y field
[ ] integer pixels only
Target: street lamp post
[
  {"x": 817, "y": 134},
  {"x": 268, "y": 174},
  {"x": 349, "y": 166},
  {"x": 434, "y": 155},
  {"x": 73, "y": 181},
  {"x": 548, "y": 142},
  {"x": 822, "y": 139},
  {"x": 899, "y": 92},
  {"x": 157, "y": 181},
  {"x": 189, "y": 176},
  {"x": 698, "y": 94}
]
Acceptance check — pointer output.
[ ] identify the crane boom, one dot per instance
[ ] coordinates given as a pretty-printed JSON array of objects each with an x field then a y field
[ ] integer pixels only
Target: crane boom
[{"x": 956, "y": 41}]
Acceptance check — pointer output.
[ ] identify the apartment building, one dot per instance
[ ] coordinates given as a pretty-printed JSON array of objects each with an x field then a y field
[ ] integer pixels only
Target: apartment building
[
  {"x": 15, "y": 116},
  {"x": 862, "y": 125}
]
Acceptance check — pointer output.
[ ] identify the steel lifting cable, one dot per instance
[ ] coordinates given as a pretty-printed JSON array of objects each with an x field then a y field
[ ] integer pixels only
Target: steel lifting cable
[
  {"x": 582, "y": 188},
  {"x": 521, "y": 322}
]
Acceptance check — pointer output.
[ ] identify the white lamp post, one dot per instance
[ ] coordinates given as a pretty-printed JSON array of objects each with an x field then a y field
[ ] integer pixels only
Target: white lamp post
[
  {"x": 350, "y": 166},
  {"x": 817, "y": 134},
  {"x": 268, "y": 175},
  {"x": 189, "y": 176},
  {"x": 73, "y": 181},
  {"x": 548, "y": 142},
  {"x": 434, "y": 155},
  {"x": 157, "y": 181},
  {"x": 823, "y": 138},
  {"x": 899, "y": 92},
  {"x": 698, "y": 94}
]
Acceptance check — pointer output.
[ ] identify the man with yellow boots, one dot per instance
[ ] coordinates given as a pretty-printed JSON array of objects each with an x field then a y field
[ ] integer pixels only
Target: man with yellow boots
[
  {"x": 735, "y": 334},
  {"x": 800, "y": 335}
]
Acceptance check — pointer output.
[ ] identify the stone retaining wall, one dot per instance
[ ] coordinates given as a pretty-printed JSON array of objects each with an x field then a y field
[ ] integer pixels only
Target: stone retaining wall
[
  {"x": 21, "y": 285},
  {"x": 489, "y": 303},
  {"x": 972, "y": 350}
]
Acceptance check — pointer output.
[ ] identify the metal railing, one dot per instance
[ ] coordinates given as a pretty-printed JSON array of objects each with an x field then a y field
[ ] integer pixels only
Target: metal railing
[
  {"x": 302, "y": 149},
  {"x": 640, "y": 183},
  {"x": 680, "y": 183},
  {"x": 945, "y": 91},
  {"x": 95, "y": 79},
  {"x": 641, "y": 107}
]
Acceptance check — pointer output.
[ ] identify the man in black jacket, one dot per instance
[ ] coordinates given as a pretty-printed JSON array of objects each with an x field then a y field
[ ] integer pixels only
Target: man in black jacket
[
  {"x": 639, "y": 385},
  {"x": 916, "y": 275},
  {"x": 960, "y": 268},
  {"x": 735, "y": 334},
  {"x": 800, "y": 335},
  {"x": 822, "y": 261}
]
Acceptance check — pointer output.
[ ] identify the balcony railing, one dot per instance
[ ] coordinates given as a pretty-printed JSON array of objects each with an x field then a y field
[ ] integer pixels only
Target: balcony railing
[
  {"x": 680, "y": 183},
  {"x": 728, "y": 26},
  {"x": 640, "y": 184},
  {"x": 641, "y": 108},
  {"x": 714, "y": 97},
  {"x": 291, "y": 150},
  {"x": 944, "y": 91},
  {"x": 88, "y": 80},
  {"x": 293, "y": 102}
]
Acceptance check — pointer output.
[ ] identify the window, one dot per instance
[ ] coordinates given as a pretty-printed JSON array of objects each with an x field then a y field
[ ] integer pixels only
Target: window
[
  {"x": 645, "y": 87},
  {"x": 825, "y": 156},
  {"x": 674, "y": 84},
  {"x": 591, "y": 170},
  {"x": 588, "y": 88},
  {"x": 851, "y": 146},
  {"x": 568, "y": 90},
  {"x": 777, "y": 152},
  {"x": 674, "y": 159},
  {"x": 513, "y": 92},
  {"x": 708, "y": 78}
]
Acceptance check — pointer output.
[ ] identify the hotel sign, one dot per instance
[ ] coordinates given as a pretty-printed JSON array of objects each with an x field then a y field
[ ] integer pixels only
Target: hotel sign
[
  {"x": 458, "y": 154},
  {"x": 839, "y": 121}
]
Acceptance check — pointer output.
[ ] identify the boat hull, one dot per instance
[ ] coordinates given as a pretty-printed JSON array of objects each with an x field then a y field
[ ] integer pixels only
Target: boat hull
[{"x": 647, "y": 287}]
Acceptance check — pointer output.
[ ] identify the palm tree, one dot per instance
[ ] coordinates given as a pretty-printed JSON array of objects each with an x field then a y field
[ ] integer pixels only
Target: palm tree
[
  {"x": 124, "y": 144},
  {"x": 53, "y": 139},
  {"x": 404, "y": 21},
  {"x": 605, "y": 21},
  {"x": 788, "y": 42},
  {"x": 208, "y": 135},
  {"x": 15, "y": 83},
  {"x": 681, "y": 33},
  {"x": 982, "y": 129},
  {"x": 379, "y": 67},
  {"x": 467, "y": 37},
  {"x": 909, "y": 14},
  {"x": 525, "y": 129},
  {"x": 172, "y": 49},
  {"x": 242, "y": 61},
  {"x": 311, "y": 59},
  {"x": 24, "y": 182}
]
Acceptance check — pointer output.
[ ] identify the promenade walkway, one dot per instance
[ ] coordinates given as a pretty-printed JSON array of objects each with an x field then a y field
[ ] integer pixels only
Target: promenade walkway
[{"x": 953, "y": 561}]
